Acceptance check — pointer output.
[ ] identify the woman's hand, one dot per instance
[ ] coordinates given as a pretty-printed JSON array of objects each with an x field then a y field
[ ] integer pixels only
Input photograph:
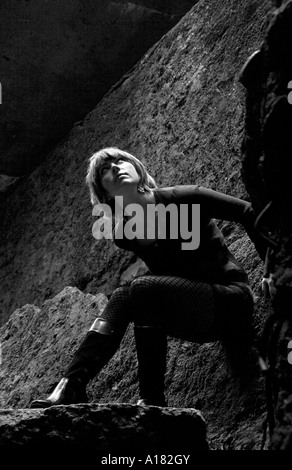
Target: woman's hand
[{"x": 268, "y": 287}]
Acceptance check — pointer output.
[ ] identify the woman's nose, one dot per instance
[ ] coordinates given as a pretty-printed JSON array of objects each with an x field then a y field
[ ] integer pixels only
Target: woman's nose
[{"x": 114, "y": 167}]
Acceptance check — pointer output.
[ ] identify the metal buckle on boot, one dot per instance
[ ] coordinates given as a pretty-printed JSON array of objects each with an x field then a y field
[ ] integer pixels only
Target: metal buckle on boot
[{"x": 102, "y": 326}]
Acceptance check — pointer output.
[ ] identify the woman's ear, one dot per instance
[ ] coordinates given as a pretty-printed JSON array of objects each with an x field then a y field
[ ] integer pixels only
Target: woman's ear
[{"x": 140, "y": 189}]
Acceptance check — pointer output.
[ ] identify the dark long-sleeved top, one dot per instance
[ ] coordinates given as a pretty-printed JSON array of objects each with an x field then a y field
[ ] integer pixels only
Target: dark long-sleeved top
[{"x": 211, "y": 262}]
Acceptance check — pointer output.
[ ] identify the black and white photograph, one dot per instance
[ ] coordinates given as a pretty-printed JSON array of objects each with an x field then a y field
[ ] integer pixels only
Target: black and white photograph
[{"x": 145, "y": 231}]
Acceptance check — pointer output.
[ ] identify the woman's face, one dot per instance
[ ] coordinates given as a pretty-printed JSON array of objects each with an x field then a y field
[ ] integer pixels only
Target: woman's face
[{"x": 117, "y": 176}]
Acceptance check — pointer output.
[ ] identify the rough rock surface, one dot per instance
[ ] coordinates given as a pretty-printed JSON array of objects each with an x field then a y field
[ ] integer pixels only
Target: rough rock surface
[
  {"x": 57, "y": 61},
  {"x": 39, "y": 342},
  {"x": 180, "y": 111},
  {"x": 267, "y": 175},
  {"x": 95, "y": 432}
]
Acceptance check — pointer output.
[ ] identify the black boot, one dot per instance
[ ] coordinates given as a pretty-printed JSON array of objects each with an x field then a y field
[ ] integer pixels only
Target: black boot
[
  {"x": 151, "y": 345},
  {"x": 68, "y": 391},
  {"x": 99, "y": 345}
]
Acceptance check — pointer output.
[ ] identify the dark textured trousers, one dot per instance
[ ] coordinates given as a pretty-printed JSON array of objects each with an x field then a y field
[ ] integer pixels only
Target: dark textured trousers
[{"x": 178, "y": 307}]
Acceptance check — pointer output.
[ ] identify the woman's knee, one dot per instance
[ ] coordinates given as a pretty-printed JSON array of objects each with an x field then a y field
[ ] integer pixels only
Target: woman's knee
[
  {"x": 121, "y": 293},
  {"x": 118, "y": 307},
  {"x": 140, "y": 287}
]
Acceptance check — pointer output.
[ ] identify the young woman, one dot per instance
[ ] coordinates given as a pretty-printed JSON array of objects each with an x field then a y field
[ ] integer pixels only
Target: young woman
[{"x": 199, "y": 294}]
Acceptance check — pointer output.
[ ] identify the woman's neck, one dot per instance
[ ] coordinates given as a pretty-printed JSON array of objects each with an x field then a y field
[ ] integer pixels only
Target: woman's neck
[{"x": 137, "y": 198}]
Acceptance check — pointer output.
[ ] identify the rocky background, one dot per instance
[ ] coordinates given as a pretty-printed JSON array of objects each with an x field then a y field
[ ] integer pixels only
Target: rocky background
[
  {"x": 182, "y": 111},
  {"x": 57, "y": 61},
  {"x": 267, "y": 176}
]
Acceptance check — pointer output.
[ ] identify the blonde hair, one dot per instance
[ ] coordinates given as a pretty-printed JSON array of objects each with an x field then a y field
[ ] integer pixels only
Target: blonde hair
[{"x": 97, "y": 193}]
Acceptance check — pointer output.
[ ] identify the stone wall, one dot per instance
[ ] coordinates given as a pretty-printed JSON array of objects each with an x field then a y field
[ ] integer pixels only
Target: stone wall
[
  {"x": 181, "y": 111},
  {"x": 38, "y": 343},
  {"x": 115, "y": 434},
  {"x": 267, "y": 175},
  {"x": 57, "y": 61}
]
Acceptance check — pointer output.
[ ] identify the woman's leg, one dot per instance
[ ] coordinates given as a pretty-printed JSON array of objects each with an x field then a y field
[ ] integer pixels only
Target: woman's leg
[
  {"x": 186, "y": 309},
  {"x": 234, "y": 308},
  {"x": 99, "y": 345},
  {"x": 234, "y": 324},
  {"x": 166, "y": 305},
  {"x": 103, "y": 338},
  {"x": 183, "y": 308}
]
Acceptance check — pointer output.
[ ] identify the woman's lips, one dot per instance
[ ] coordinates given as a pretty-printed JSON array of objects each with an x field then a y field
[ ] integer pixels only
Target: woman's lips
[{"x": 119, "y": 175}]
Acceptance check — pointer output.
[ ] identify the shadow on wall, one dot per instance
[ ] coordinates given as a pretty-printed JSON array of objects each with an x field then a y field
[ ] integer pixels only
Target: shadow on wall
[
  {"x": 267, "y": 168},
  {"x": 58, "y": 60}
]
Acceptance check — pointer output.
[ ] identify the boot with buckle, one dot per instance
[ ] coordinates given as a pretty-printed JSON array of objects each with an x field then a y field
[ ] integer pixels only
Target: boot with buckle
[
  {"x": 67, "y": 392},
  {"x": 99, "y": 345}
]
